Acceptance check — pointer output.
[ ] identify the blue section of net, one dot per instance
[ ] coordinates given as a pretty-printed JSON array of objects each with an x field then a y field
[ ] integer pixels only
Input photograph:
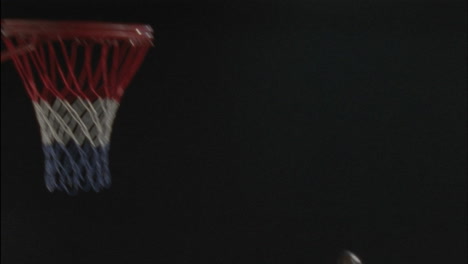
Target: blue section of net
[{"x": 72, "y": 168}]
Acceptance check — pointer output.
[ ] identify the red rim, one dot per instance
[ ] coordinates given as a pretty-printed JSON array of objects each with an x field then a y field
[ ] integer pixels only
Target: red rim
[{"x": 75, "y": 29}]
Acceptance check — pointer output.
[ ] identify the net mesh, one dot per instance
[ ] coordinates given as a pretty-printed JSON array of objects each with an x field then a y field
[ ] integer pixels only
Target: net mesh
[
  {"x": 76, "y": 141},
  {"x": 76, "y": 86}
]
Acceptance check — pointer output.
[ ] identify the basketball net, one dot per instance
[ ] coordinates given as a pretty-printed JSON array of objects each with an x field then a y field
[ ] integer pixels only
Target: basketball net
[{"x": 76, "y": 86}]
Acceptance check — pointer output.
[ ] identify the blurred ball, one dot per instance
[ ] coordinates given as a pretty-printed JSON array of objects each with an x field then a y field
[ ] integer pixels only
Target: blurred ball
[{"x": 348, "y": 258}]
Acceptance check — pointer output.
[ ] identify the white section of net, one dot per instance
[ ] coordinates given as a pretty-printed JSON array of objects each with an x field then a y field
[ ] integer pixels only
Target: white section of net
[{"x": 79, "y": 121}]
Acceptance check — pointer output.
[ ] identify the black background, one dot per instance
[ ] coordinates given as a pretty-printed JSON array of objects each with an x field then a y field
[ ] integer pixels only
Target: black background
[{"x": 260, "y": 132}]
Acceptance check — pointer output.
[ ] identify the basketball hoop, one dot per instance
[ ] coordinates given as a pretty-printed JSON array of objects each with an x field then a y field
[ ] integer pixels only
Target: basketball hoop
[{"x": 75, "y": 74}]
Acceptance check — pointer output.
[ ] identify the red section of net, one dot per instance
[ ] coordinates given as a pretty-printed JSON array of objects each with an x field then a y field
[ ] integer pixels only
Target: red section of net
[{"x": 70, "y": 69}]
